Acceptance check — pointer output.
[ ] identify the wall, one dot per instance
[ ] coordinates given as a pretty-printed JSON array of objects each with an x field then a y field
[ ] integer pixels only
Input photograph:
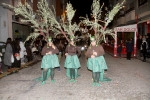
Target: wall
[
  {"x": 130, "y": 16},
  {"x": 143, "y": 10},
  {"x": 5, "y": 27}
]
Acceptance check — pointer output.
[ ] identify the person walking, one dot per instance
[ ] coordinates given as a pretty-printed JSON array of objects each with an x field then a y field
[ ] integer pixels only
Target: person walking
[
  {"x": 49, "y": 61},
  {"x": 72, "y": 62},
  {"x": 96, "y": 62}
]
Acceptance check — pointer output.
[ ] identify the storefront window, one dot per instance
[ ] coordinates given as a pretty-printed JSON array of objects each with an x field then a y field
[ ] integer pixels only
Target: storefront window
[{"x": 20, "y": 31}]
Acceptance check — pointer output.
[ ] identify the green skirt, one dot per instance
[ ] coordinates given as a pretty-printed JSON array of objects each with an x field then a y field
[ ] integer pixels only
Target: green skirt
[
  {"x": 72, "y": 62},
  {"x": 50, "y": 61},
  {"x": 97, "y": 64}
]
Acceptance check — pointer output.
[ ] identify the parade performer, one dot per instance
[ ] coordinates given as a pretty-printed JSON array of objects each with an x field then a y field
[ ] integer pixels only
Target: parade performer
[
  {"x": 72, "y": 62},
  {"x": 96, "y": 62},
  {"x": 49, "y": 61}
]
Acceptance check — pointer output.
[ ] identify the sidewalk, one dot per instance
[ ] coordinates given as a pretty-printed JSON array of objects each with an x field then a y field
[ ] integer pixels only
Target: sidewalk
[
  {"x": 15, "y": 70},
  {"x": 139, "y": 58}
]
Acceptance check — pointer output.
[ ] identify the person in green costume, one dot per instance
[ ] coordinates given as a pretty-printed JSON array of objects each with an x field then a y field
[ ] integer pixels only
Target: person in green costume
[
  {"x": 72, "y": 62},
  {"x": 96, "y": 62},
  {"x": 49, "y": 61}
]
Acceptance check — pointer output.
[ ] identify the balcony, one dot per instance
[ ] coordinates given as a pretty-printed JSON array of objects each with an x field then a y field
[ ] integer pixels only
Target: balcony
[
  {"x": 130, "y": 16},
  {"x": 121, "y": 21},
  {"x": 143, "y": 10}
]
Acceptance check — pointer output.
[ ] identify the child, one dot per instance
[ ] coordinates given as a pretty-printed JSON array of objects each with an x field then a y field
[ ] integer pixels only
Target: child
[
  {"x": 119, "y": 50},
  {"x": 1, "y": 63}
]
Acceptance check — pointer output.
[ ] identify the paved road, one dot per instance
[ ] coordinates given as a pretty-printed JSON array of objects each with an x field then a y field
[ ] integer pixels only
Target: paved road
[{"x": 130, "y": 81}]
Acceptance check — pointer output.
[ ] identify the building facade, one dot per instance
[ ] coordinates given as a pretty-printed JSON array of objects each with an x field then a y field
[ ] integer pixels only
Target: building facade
[
  {"x": 11, "y": 26},
  {"x": 134, "y": 12},
  {"x": 130, "y": 22}
]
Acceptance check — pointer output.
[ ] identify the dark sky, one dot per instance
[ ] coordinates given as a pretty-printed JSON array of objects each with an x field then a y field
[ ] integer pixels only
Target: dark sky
[{"x": 83, "y": 7}]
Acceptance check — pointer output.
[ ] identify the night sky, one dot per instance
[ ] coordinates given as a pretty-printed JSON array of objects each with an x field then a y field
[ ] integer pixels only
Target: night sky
[{"x": 83, "y": 8}]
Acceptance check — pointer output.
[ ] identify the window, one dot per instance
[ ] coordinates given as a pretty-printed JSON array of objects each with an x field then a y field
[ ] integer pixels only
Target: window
[{"x": 142, "y": 2}]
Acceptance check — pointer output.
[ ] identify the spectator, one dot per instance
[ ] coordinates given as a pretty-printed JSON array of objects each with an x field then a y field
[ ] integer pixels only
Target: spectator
[
  {"x": 1, "y": 63},
  {"x": 148, "y": 43},
  {"x": 43, "y": 42},
  {"x": 22, "y": 51},
  {"x": 144, "y": 48},
  {"x": 8, "y": 54},
  {"x": 16, "y": 53},
  {"x": 129, "y": 49},
  {"x": 34, "y": 49},
  {"x": 29, "y": 52},
  {"x": 139, "y": 42},
  {"x": 119, "y": 50}
]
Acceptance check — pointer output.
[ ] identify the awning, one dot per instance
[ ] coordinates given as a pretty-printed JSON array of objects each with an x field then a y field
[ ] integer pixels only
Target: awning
[{"x": 144, "y": 20}]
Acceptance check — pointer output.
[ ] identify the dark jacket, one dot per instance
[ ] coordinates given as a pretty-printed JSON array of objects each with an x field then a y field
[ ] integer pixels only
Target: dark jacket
[
  {"x": 119, "y": 49},
  {"x": 139, "y": 42},
  {"x": 129, "y": 46},
  {"x": 144, "y": 46}
]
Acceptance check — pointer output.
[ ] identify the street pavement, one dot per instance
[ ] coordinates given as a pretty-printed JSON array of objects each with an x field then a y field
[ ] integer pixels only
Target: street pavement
[{"x": 130, "y": 80}]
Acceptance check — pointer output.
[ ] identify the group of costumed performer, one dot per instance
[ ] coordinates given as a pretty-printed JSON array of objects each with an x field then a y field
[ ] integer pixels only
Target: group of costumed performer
[
  {"x": 96, "y": 62},
  {"x": 72, "y": 62},
  {"x": 49, "y": 61}
]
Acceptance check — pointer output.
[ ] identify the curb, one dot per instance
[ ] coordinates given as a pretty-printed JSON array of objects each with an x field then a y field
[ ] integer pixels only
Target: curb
[{"x": 16, "y": 70}]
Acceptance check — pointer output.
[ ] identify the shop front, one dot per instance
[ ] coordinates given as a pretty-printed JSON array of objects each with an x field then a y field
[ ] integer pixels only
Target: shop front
[{"x": 121, "y": 35}]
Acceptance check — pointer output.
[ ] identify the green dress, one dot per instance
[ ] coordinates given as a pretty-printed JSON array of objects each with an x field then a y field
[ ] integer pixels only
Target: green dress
[
  {"x": 50, "y": 61},
  {"x": 72, "y": 62},
  {"x": 97, "y": 64}
]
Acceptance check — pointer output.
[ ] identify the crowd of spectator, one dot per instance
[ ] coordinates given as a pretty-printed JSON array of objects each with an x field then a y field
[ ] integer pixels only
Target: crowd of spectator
[{"x": 18, "y": 53}]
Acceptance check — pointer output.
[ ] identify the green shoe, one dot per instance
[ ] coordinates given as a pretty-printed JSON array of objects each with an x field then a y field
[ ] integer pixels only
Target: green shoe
[
  {"x": 53, "y": 81},
  {"x": 93, "y": 84},
  {"x": 97, "y": 84},
  {"x": 71, "y": 80},
  {"x": 43, "y": 82}
]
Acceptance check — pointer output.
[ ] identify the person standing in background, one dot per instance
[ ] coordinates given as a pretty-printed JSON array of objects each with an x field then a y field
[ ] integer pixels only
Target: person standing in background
[
  {"x": 144, "y": 48},
  {"x": 22, "y": 51},
  {"x": 139, "y": 42},
  {"x": 8, "y": 54},
  {"x": 1, "y": 63},
  {"x": 16, "y": 53},
  {"x": 129, "y": 49},
  {"x": 119, "y": 50}
]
